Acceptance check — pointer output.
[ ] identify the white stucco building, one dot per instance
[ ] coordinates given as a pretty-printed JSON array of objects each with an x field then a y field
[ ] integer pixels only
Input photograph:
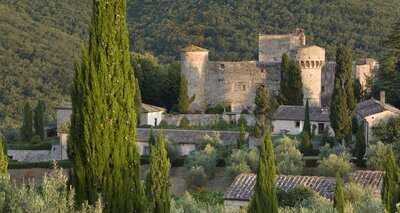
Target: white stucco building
[
  {"x": 151, "y": 115},
  {"x": 290, "y": 120}
]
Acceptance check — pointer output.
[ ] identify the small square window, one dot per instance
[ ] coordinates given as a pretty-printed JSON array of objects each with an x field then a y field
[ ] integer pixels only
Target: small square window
[
  {"x": 297, "y": 124},
  {"x": 243, "y": 87}
]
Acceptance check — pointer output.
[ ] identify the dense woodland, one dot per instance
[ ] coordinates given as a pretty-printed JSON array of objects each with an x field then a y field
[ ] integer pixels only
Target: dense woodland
[{"x": 41, "y": 39}]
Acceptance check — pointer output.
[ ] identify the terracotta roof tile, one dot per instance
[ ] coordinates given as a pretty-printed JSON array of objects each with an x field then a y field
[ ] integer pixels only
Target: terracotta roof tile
[{"x": 243, "y": 185}]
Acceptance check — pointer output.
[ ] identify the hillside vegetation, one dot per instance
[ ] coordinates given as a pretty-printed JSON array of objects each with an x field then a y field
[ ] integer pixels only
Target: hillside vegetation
[{"x": 40, "y": 40}]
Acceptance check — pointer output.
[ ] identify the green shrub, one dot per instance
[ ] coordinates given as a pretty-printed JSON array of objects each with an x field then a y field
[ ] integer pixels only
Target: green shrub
[
  {"x": 197, "y": 178},
  {"x": 218, "y": 109},
  {"x": 335, "y": 164},
  {"x": 376, "y": 156},
  {"x": 206, "y": 159},
  {"x": 163, "y": 124},
  {"x": 184, "y": 123},
  {"x": 52, "y": 195},
  {"x": 294, "y": 197},
  {"x": 253, "y": 156},
  {"x": 289, "y": 160},
  {"x": 29, "y": 146},
  {"x": 36, "y": 139},
  {"x": 188, "y": 204},
  {"x": 245, "y": 111},
  {"x": 242, "y": 121}
]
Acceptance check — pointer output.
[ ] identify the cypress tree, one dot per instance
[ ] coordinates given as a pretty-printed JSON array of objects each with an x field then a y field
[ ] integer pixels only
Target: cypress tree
[
  {"x": 261, "y": 110},
  {"x": 27, "y": 124},
  {"x": 138, "y": 102},
  {"x": 284, "y": 84},
  {"x": 241, "y": 143},
  {"x": 390, "y": 190},
  {"x": 265, "y": 197},
  {"x": 307, "y": 123},
  {"x": 342, "y": 102},
  {"x": 339, "y": 202},
  {"x": 158, "y": 190},
  {"x": 360, "y": 147},
  {"x": 184, "y": 100},
  {"x": 102, "y": 144},
  {"x": 358, "y": 91},
  {"x": 306, "y": 145},
  {"x": 3, "y": 157},
  {"x": 39, "y": 119},
  {"x": 295, "y": 85}
]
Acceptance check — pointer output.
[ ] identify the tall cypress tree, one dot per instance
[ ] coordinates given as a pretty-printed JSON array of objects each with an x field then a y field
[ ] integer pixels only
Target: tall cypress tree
[
  {"x": 3, "y": 157},
  {"x": 27, "y": 124},
  {"x": 184, "y": 100},
  {"x": 339, "y": 201},
  {"x": 343, "y": 101},
  {"x": 138, "y": 101},
  {"x": 241, "y": 143},
  {"x": 38, "y": 119},
  {"x": 263, "y": 110},
  {"x": 284, "y": 84},
  {"x": 295, "y": 85},
  {"x": 360, "y": 147},
  {"x": 102, "y": 144},
  {"x": 390, "y": 190},
  {"x": 158, "y": 185},
  {"x": 307, "y": 123},
  {"x": 264, "y": 197}
]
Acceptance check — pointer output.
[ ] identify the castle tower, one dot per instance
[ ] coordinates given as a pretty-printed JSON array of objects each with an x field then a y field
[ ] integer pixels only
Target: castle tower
[
  {"x": 271, "y": 47},
  {"x": 194, "y": 61},
  {"x": 311, "y": 60}
]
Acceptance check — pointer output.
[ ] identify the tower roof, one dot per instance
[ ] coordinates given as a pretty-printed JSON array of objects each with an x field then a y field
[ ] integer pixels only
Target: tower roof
[{"x": 194, "y": 48}]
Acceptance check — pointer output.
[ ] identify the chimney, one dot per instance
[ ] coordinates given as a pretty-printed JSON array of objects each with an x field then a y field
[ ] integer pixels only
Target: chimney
[{"x": 382, "y": 97}]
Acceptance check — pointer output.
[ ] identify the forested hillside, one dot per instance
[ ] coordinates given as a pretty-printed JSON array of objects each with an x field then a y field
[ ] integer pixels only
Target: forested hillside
[{"x": 41, "y": 39}]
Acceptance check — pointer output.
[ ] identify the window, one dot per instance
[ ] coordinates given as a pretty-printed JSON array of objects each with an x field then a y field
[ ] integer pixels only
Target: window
[
  {"x": 321, "y": 128},
  {"x": 240, "y": 86},
  {"x": 222, "y": 66},
  {"x": 297, "y": 124},
  {"x": 243, "y": 87}
]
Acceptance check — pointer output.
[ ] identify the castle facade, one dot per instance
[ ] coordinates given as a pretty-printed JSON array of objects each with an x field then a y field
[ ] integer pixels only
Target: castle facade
[{"x": 234, "y": 84}]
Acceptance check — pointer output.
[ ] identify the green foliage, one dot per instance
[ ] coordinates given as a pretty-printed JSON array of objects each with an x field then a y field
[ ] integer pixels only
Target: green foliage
[
  {"x": 242, "y": 121},
  {"x": 238, "y": 163},
  {"x": 158, "y": 177},
  {"x": 184, "y": 100},
  {"x": 159, "y": 83},
  {"x": 138, "y": 102},
  {"x": 307, "y": 123},
  {"x": 102, "y": 142},
  {"x": 335, "y": 164},
  {"x": 197, "y": 178},
  {"x": 339, "y": 201},
  {"x": 184, "y": 123},
  {"x": 218, "y": 109},
  {"x": 52, "y": 195},
  {"x": 3, "y": 157},
  {"x": 194, "y": 204},
  {"x": 358, "y": 91},
  {"x": 27, "y": 123},
  {"x": 38, "y": 119},
  {"x": 241, "y": 143},
  {"x": 387, "y": 78},
  {"x": 306, "y": 146},
  {"x": 39, "y": 43},
  {"x": 376, "y": 156},
  {"x": 360, "y": 146},
  {"x": 284, "y": 83},
  {"x": 206, "y": 158},
  {"x": 390, "y": 189},
  {"x": 394, "y": 39},
  {"x": 295, "y": 196},
  {"x": 36, "y": 139},
  {"x": 265, "y": 196},
  {"x": 289, "y": 159},
  {"x": 295, "y": 85},
  {"x": 342, "y": 101},
  {"x": 388, "y": 132},
  {"x": 265, "y": 105}
]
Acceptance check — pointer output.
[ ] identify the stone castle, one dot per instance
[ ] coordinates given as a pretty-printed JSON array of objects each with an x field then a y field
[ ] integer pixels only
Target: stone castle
[{"x": 234, "y": 84}]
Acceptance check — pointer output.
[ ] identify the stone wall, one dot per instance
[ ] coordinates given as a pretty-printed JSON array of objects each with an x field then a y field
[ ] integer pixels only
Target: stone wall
[
  {"x": 207, "y": 119},
  {"x": 272, "y": 47}
]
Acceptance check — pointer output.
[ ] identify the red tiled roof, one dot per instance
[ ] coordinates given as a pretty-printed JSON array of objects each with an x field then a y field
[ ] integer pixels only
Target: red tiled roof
[{"x": 243, "y": 185}]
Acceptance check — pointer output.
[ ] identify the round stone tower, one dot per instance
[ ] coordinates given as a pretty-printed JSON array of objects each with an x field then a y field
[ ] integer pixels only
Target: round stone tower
[
  {"x": 311, "y": 60},
  {"x": 194, "y": 61}
]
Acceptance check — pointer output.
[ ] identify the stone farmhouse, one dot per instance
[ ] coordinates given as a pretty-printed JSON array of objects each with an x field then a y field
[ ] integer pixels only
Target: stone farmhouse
[
  {"x": 234, "y": 84},
  {"x": 372, "y": 112},
  {"x": 241, "y": 190}
]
